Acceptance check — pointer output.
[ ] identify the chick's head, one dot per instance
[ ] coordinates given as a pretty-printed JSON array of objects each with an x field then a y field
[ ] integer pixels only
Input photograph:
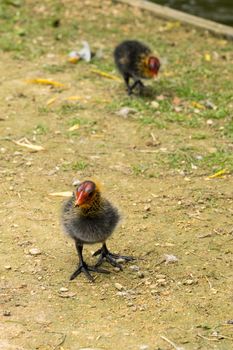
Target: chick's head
[
  {"x": 85, "y": 194},
  {"x": 153, "y": 65}
]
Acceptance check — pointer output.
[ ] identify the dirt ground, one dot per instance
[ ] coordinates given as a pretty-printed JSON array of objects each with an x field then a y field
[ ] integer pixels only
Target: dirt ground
[{"x": 153, "y": 164}]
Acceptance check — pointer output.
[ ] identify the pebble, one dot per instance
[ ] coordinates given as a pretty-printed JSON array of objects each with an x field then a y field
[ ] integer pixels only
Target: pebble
[
  {"x": 119, "y": 287},
  {"x": 34, "y": 251},
  {"x": 147, "y": 208},
  {"x": 189, "y": 282},
  {"x": 209, "y": 122},
  {"x": 160, "y": 276},
  {"x": 144, "y": 347},
  {"x": 155, "y": 104},
  {"x": 63, "y": 289},
  {"x": 6, "y": 313},
  {"x": 141, "y": 274},
  {"x": 134, "y": 268},
  {"x": 117, "y": 269},
  {"x": 126, "y": 111},
  {"x": 67, "y": 294},
  {"x": 7, "y": 267}
]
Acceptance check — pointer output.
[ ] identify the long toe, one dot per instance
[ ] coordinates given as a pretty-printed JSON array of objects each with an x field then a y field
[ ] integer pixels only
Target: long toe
[
  {"x": 113, "y": 262},
  {"x": 82, "y": 268},
  {"x": 75, "y": 273},
  {"x": 98, "y": 252}
]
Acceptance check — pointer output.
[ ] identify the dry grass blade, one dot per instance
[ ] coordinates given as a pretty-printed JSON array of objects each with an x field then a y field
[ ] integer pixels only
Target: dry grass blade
[
  {"x": 61, "y": 194},
  {"x": 24, "y": 142}
]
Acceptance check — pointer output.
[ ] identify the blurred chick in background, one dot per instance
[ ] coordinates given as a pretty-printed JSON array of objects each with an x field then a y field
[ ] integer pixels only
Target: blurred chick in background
[{"x": 135, "y": 60}]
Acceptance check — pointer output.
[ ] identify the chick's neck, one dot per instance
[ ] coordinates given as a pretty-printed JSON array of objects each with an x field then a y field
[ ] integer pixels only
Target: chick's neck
[{"x": 93, "y": 206}]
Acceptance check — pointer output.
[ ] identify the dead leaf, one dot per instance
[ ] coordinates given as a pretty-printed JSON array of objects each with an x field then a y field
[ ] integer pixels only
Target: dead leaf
[
  {"x": 207, "y": 57},
  {"x": 74, "y": 127},
  {"x": 197, "y": 105},
  {"x": 42, "y": 81},
  {"x": 105, "y": 75},
  {"x": 219, "y": 173},
  {"x": 51, "y": 101},
  {"x": 176, "y": 101}
]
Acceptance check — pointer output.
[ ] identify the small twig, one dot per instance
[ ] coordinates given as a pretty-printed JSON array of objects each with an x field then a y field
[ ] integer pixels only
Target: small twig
[
  {"x": 206, "y": 235},
  {"x": 160, "y": 262},
  {"x": 193, "y": 216},
  {"x": 171, "y": 343},
  {"x": 210, "y": 285},
  {"x": 153, "y": 136},
  {"x": 211, "y": 339}
]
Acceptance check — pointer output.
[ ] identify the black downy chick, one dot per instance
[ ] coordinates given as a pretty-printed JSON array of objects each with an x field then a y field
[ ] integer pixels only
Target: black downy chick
[
  {"x": 89, "y": 218},
  {"x": 136, "y": 61}
]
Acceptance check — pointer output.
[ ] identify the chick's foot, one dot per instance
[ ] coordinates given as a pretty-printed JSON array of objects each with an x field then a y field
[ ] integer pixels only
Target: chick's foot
[
  {"x": 83, "y": 267},
  {"x": 111, "y": 258}
]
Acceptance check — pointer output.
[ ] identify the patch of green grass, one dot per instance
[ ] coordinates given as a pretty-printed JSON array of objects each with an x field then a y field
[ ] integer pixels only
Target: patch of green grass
[
  {"x": 67, "y": 108},
  {"x": 139, "y": 169},
  {"x": 199, "y": 136},
  {"x": 80, "y": 121},
  {"x": 221, "y": 113},
  {"x": 179, "y": 159},
  {"x": 218, "y": 160},
  {"x": 151, "y": 120},
  {"x": 43, "y": 110},
  {"x": 228, "y": 129},
  {"x": 41, "y": 129},
  {"x": 79, "y": 165}
]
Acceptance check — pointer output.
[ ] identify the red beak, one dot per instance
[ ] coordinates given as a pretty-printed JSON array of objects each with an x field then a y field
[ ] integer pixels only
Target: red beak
[{"x": 80, "y": 198}]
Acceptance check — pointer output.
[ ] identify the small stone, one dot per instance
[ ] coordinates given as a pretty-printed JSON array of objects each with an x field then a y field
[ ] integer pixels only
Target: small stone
[
  {"x": 34, "y": 251},
  {"x": 68, "y": 295},
  {"x": 155, "y": 104},
  {"x": 210, "y": 105},
  {"x": 209, "y": 122},
  {"x": 130, "y": 304},
  {"x": 63, "y": 289},
  {"x": 117, "y": 269},
  {"x": 134, "y": 268},
  {"x": 120, "y": 260},
  {"x": 154, "y": 291},
  {"x": 162, "y": 281},
  {"x": 122, "y": 294},
  {"x": 140, "y": 274},
  {"x": 169, "y": 258},
  {"x": 144, "y": 347},
  {"x": 126, "y": 111},
  {"x": 119, "y": 287},
  {"x": 160, "y": 276},
  {"x": 189, "y": 282},
  {"x": 147, "y": 208},
  {"x": 6, "y": 313},
  {"x": 7, "y": 267}
]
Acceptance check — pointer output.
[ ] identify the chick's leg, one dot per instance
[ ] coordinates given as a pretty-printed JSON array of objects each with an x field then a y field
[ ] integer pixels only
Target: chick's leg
[
  {"x": 83, "y": 267},
  {"x": 135, "y": 84},
  {"x": 126, "y": 79},
  {"x": 111, "y": 258}
]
